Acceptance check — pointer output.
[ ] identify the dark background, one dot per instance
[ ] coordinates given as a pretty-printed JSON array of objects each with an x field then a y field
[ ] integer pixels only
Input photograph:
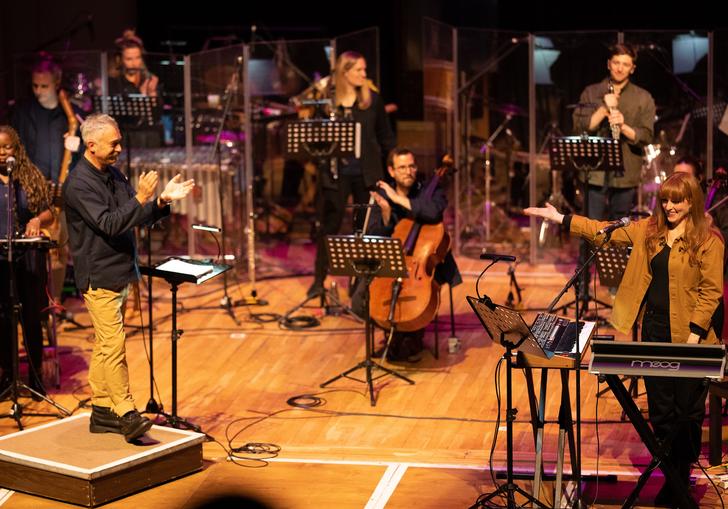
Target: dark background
[{"x": 31, "y": 25}]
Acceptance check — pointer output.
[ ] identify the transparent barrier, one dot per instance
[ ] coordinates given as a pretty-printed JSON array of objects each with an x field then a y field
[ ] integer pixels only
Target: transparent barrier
[
  {"x": 287, "y": 74},
  {"x": 216, "y": 111},
  {"x": 498, "y": 98},
  {"x": 435, "y": 136},
  {"x": 494, "y": 139}
]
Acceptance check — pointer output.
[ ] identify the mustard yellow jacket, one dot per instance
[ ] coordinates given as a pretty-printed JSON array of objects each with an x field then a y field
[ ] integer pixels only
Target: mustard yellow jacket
[{"x": 695, "y": 291}]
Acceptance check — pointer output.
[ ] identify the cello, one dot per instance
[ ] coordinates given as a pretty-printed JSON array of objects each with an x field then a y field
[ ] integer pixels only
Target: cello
[{"x": 410, "y": 304}]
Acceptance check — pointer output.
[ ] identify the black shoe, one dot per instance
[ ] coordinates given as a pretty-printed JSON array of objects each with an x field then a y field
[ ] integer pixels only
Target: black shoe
[
  {"x": 103, "y": 420},
  {"x": 134, "y": 425}
]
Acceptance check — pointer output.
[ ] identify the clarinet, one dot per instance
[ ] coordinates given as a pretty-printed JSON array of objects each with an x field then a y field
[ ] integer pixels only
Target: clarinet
[{"x": 616, "y": 128}]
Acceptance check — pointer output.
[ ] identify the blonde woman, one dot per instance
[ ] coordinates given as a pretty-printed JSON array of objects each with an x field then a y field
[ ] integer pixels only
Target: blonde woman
[
  {"x": 674, "y": 281},
  {"x": 352, "y": 98}
]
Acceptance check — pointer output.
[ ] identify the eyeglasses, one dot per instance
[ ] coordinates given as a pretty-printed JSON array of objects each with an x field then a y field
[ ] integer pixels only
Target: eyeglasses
[{"x": 408, "y": 167}]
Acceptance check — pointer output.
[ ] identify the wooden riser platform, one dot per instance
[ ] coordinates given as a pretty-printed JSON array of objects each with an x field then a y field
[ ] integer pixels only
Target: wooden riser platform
[{"x": 62, "y": 460}]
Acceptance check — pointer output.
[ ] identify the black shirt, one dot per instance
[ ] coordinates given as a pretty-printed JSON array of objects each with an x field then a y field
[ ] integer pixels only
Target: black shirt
[
  {"x": 101, "y": 212},
  {"x": 425, "y": 211},
  {"x": 658, "y": 293},
  {"x": 41, "y": 130}
]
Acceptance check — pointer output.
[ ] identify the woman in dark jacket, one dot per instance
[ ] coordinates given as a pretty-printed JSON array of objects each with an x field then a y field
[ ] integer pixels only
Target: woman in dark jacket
[{"x": 352, "y": 98}]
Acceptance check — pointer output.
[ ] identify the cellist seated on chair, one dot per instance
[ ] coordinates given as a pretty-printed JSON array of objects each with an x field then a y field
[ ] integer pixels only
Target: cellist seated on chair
[{"x": 408, "y": 198}]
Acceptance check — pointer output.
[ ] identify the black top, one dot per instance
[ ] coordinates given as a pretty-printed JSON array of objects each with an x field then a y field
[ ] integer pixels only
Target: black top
[
  {"x": 41, "y": 130},
  {"x": 658, "y": 293},
  {"x": 377, "y": 139},
  {"x": 424, "y": 211},
  {"x": 101, "y": 212}
]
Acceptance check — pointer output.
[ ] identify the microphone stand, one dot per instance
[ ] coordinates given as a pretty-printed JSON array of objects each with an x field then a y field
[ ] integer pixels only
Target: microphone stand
[
  {"x": 16, "y": 410},
  {"x": 577, "y": 360},
  {"x": 226, "y": 302}
]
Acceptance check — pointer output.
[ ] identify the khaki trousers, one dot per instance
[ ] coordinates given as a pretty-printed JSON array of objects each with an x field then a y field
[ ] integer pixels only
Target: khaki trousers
[{"x": 108, "y": 373}]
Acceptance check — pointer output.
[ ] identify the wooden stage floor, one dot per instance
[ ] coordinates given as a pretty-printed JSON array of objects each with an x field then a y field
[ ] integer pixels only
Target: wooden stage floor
[{"x": 425, "y": 445}]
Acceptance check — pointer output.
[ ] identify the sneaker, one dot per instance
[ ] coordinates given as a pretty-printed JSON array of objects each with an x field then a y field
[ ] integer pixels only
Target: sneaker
[
  {"x": 103, "y": 420},
  {"x": 134, "y": 425}
]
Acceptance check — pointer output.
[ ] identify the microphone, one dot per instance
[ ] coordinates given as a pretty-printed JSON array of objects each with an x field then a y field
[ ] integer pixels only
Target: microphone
[
  {"x": 497, "y": 257},
  {"x": 10, "y": 163},
  {"x": 614, "y": 225}
]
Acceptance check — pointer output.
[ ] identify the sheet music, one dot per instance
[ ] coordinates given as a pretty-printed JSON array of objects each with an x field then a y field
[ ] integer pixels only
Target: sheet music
[{"x": 183, "y": 267}]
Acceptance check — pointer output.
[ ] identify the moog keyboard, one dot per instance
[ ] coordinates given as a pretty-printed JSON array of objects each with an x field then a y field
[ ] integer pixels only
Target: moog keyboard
[{"x": 657, "y": 359}]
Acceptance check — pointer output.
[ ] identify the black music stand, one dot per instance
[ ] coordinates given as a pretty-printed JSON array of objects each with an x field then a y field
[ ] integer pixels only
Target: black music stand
[
  {"x": 177, "y": 271},
  {"x": 506, "y": 327},
  {"x": 586, "y": 154},
  {"x": 366, "y": 257},
  {"x": 320, "y": 138},
  {"x": 323, "y": 140}
]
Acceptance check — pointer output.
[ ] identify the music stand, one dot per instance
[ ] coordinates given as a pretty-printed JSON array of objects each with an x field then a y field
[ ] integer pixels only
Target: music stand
[
  {"x": 507, "y": 327},
  {"x": 130, "y": 110},
  {"x": 323, "y": 140},
  {"x": 366, "y": 257},
  {"x": 586, "y": 154},
  {"x": 177, "y": 271}
]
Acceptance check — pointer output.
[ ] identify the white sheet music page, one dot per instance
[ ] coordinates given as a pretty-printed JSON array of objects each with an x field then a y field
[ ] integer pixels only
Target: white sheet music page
[{"x": 183, "y": 267}]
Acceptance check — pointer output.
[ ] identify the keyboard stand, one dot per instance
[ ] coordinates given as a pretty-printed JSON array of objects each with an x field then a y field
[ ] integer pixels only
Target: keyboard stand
[
  {"x": 538, "y": 418},
  {"x": 658, "y": 451}
]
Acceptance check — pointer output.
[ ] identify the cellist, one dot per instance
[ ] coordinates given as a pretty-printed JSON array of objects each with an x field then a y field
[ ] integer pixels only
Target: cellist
[{"x": 404, "y": 198}]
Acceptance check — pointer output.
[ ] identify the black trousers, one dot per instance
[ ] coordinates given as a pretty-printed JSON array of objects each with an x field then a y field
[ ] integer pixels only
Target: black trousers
[
  {"x": 30, "y": 279},
  {"x": 674, "y": 402},
  {"x": 331, "y": 210}
]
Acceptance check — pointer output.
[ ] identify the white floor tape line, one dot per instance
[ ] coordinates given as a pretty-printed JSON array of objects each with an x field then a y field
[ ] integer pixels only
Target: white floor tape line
[
  {"x": 387, "y": 484},
  {"x": 5, "y": 495}
]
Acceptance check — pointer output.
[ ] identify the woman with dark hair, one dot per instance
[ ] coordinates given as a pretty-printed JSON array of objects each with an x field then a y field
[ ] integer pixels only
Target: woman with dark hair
[
  {"x": 352, "y": 99},
  {"x": 31, "y": 212},
  {"x": 674, "y": 281}
]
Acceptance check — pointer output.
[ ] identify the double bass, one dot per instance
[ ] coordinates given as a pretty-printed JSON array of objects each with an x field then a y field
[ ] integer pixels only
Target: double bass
[
  {"x": 54, "y": 230},
  {"x": 410, "y": 304}
]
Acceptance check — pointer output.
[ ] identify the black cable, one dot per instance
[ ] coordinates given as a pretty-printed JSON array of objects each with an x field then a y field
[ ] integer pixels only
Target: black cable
[
  {"x": 265, "y": 317},
  {"x": 497, "y": 422},
  {"x": 300, "y": 322},
  {"x": 722, "y": 504}
]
